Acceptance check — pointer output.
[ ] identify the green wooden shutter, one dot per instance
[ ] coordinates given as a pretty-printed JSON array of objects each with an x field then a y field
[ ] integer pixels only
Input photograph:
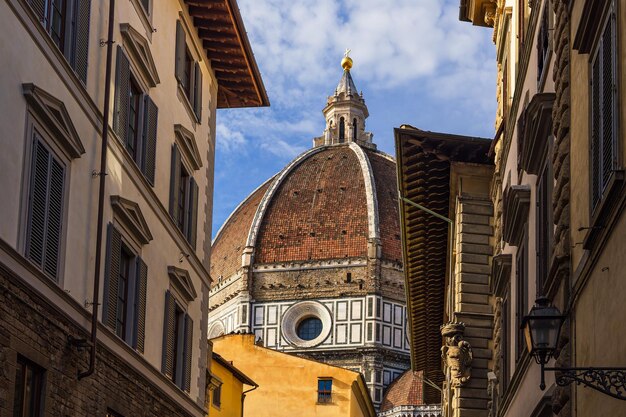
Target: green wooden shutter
[
  {"x": 167, "y": 361},
  {"x": 45, "y": 211},
  {"x": 181, "y": 46},
  {"x": 111, "y": 276},
  {"x": 174, "y": 183},
  {"x": 39, "y": 7},
  {"x": 81, "y": 38},
  {"x": 122, "y": 86},
  {"x": 197, "y": 97},
  {"x": 188, "y": 352},
  {"x": 192, "y": 215},
  {"x": 149, "y": 139},
  {"x": 140, "y": 304}
]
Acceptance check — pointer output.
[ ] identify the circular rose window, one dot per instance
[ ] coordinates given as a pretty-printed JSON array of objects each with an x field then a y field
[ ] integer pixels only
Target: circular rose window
[{"x": 306, "y": 324}]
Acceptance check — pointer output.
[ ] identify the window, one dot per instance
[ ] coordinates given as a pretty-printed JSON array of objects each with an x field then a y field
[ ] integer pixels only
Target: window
[
  {"x": 521, "y": 262},
  {"x": 45, "y": 208},
  {"x": 29, "y": 384},
  {"x": 217, "y": 396},
  {"x": 146, "y": 5},
  {"x": 188, "y": 72},
  {"x": 505, "y": 337},
  {"x": 67, "y": 23},
  {"x": 125, "y": 287},
  {"x": 183, "y": 198},
  {"x": 135, "y": 118},
  {"x": 354, "y": 130},
  {"x": 324, "y": 390},
  {"x": 604, "y": 114},
  {"x": 543, "y": 43},
  {"x": 309, "y": 328},
  {"x": 544, "y": 227},
  {"x": 177, "y": 343},
  {"x": 342, "y": 130}
]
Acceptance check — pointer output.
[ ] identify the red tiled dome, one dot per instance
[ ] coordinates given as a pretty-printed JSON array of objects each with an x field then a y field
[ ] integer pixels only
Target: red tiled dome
[
  {"x": 326, "y": 204},
  {"x": 406, "y": 390}
]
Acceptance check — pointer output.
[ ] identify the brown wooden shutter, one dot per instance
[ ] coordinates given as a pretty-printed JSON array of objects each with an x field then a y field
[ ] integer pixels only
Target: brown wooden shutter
[
  {"x": 81, "y": 39},
  {"x": 188, "y": 352},
  {"x": 181, "y": 46},
  {"x": 111, "y": 276},
  {"x": 607, "y": 102},
  {"x": 39, "y": 7},
  {"x": 192, "y": 216},
  {"x": 122, "y": 86},
  {"x": 45, "y": 212},
  {"x": 149, "y": 139},
  {"x": 140, "y": 313},
  {"x": 197, "y": 97},
  {"x": 595, "y": 132},
  {"x": 167, "y": 364},
  {"x": 174, "y": 183}
]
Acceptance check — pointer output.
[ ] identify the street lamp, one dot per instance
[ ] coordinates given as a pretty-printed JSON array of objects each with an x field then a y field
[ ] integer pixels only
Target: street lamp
[{"x": 542, "y": 327}]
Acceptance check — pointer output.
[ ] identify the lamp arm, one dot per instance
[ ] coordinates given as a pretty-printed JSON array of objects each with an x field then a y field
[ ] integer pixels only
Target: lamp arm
[{"x": 610, "y": 381}]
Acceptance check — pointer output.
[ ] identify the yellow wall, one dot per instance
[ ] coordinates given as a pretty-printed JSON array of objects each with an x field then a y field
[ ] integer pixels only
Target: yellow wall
[
  {"x": 232, "y": 388},
  {"x": 288, "y": 384}
]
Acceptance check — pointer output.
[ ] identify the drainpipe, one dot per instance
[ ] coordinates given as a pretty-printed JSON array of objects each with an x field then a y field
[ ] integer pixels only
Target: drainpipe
[
  {"x": 243, "y": 396},
  {"x": 102, "y": 175}
]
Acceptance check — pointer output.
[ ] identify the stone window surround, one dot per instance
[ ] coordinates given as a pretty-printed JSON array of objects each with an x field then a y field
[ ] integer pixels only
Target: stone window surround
[
  {"x": 145, "y": 16},
  {"x": 138, "y": 52},
  {"x": 516, "y": 205},
  {"x": 300, "y": 311},
  {"x": 535, "y": 135}
]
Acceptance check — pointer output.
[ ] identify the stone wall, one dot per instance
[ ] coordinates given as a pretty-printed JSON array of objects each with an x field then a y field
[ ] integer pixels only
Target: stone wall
[
  {"x": 30, "y": 327},
  {"x": 561, "y": 196}
]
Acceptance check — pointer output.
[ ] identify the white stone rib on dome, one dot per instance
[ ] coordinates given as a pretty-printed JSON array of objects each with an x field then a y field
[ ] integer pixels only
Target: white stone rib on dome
[{"x": 370, "y": 191}]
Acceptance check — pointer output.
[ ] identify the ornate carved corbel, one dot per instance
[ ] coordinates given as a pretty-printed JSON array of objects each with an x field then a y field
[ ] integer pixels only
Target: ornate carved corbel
[
  {"x": 490, "y": 13},
  {"x": 457, "y": 354}
]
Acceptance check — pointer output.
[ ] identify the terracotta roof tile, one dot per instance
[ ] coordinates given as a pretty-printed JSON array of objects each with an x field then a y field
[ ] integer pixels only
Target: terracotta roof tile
[{"x": 406, "y": 390}]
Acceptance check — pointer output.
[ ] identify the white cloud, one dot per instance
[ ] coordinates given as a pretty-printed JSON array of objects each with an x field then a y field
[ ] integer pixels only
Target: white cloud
[{"x": 229, "y": 140}]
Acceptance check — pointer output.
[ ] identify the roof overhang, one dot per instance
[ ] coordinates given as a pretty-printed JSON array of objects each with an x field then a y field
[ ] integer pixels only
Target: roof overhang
[
  {"x": 479, "y": 12},
  {"x": 423, "y": 168},
  {"x": 223, "y": 35}
]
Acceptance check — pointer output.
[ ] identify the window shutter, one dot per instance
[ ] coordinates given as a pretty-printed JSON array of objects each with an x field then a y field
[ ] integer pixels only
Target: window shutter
[
  {"x": 197, "y": 97},
  {"x": 111, "y": 276},
  {"x": 174, "y": 183},
  {"x": 54, "y": 218},
  {"x": 192, "y": 217},
  {"x": 150, "y": 138},
  {"x": 607, "y": 102},
  {"x": 81, "y": 39},
  {"x": 181, "y": 44},
  {"x": 140, "y": 314},
  {"x": 167, "y": 364},
  {"x": 188, "y": 352},
  {"x": 39, "y": 7},
  {"x": 595, "y": 132},
  {"x": 122, "y": 86}
]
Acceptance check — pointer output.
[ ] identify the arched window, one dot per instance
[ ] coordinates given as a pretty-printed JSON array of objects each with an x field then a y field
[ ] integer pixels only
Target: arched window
[
  {"x": 342, "y": 130},
  {"x": 354, "y": 129}
]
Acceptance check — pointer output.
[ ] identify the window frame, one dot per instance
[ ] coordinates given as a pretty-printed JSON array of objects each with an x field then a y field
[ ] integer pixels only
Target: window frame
[
  {"x": 544, "y": 33},
  {"x": 181, "y": 349},
  {"x": 324, "y": 395},
  {"x": 521, "y": 298},
  {"x": 544, "y": 233},
  {"x": 34, "y": 125},
  {"x": 217, "y": 393},
  {"x": 40, "y": 388},
  {"x": 191, "y": 58}
]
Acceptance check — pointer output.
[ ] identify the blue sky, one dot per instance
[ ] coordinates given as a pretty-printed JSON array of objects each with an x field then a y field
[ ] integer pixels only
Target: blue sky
[{"x": 415, "y": 62}]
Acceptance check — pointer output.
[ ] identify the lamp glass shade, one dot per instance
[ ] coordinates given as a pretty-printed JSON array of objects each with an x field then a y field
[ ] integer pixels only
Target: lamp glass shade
[{"x": 541, "y": 329}]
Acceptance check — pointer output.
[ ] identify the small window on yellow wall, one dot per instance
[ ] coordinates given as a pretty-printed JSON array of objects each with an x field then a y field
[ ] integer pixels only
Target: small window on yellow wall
[
  {"x": 217, "y": 396},
  {"x": 324, "y": 390}
]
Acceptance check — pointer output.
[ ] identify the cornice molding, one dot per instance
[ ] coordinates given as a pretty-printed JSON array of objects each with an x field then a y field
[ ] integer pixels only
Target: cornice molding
[
  {"x": 129, "y": 213},
  {"x": 181, "y": 280},
  {"x": 139, "y": 49},
  {"x": 187, "y": 143},
  {"x": 536, "y": 128},
  {"x": 53, "y": 113},
  {"x": 516, "y": 205}
]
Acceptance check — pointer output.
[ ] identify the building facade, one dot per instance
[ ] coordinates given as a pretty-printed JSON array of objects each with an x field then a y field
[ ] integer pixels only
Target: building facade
[
  {"x": 558, "y": 195},
  {"x": 311, "y": 262},
  {"x": 290, "y": 385},
  {"x": 104, "y": 255}
]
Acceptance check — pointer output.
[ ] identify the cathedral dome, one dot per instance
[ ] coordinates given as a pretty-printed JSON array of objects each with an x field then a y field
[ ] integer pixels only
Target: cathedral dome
[{"x": 333, "y": 202}]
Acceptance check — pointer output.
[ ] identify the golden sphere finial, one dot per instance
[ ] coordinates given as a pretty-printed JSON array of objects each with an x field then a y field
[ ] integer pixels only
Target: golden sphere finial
[{"x": 346, "y": 62}]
